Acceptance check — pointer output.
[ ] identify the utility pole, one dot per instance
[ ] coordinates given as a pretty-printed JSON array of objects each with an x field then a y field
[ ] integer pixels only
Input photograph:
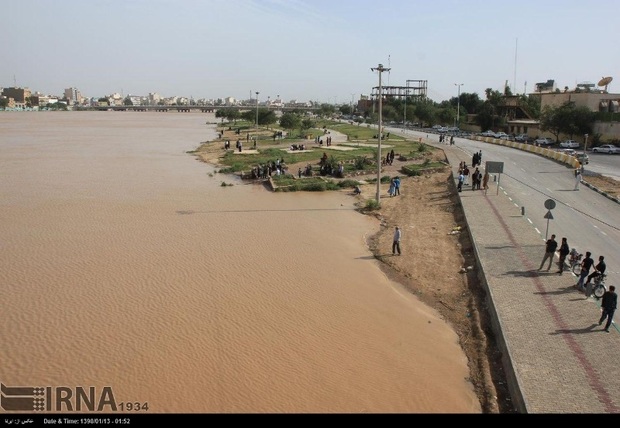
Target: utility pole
[
  {"x": 380, "y": 69},
  {"x": 458, "y": 105},
  {"x": 257, "y": 109}
]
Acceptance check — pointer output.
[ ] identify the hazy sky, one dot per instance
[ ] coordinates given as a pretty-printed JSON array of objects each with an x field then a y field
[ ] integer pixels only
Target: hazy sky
[{"x": 319, "y": 50}]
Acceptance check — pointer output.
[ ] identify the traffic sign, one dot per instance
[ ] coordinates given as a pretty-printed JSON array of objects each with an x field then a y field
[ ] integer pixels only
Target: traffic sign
[{"x": 550, "y": 204}]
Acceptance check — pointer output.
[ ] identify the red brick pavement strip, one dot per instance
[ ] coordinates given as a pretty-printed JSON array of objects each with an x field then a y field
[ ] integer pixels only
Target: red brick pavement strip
[{"x": 566, "y": 371}]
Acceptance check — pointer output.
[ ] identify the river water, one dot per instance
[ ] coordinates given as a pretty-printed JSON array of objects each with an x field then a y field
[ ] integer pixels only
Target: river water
[{"x": 125, "y": 263}]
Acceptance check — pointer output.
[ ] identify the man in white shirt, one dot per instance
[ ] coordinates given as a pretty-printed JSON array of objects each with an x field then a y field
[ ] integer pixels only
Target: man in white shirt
[{"x": 396, "y": 243}]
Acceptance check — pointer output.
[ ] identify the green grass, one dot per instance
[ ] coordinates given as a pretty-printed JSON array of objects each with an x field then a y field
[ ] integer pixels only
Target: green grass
[{"x": 360, "y": 158}]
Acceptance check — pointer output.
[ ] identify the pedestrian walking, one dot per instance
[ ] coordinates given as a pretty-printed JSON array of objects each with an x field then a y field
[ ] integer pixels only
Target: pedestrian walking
[
  {"x": 586, "y": 264},
  {"x": 466, "y": 175},
  {"x": 577, "y": 178},
  {"x": 396, "y": 242},
  {"x": 564, "y": 251},
  {"x": 609, "y": 303},
  {"x": 461, "y": 179},
  {"x": 550, "y": 248}
]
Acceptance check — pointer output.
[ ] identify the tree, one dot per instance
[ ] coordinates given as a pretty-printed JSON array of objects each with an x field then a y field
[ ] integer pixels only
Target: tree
[
  {"x": 290, "y": 121},
  {"x": 326, "y": 110},
  {"x": 4, "y": 102},
  {"x": 567, "y": 119},
  {"x": 470, "y": 103},
  {"x": 425, "y": 112},
  {"x": 266, "y": 116},
  {"x": 305, "y": 125},
  {"x": 127, "y": 101},
  {"x": 486, "y": 116},
  {"x": 345, "y": 109},
  {"x": 230, "y": 114}
]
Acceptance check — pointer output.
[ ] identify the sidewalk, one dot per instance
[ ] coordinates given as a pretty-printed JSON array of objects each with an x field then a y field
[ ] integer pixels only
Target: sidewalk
[{"x": 556, "y": 357}]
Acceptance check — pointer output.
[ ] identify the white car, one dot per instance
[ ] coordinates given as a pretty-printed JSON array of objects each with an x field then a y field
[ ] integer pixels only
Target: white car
[
  {"x": 606, "y": 148},
  {"x": 501, "y": 135},
  {"x": 569, "y": 144},
  {"x": 544, "y": 141},
  {"x": 488, "y": 134}
]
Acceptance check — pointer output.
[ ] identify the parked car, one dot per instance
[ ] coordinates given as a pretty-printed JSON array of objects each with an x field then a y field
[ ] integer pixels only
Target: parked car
[
  {"x": 544, "y": 141},
  {"x": 606, "y": 148},
  {"x": 570, "y": 152},
  {"x": 488, "y": 133},
  {"x": 569, "y": 144},
  {"x": 522, "y": 138},
  {"x": 501, "y": 135}
]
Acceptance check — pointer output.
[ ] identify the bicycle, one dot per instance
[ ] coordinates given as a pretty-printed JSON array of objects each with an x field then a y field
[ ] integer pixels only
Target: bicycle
[
  {"x": 574, "y": 261},
  {"x": 599, "y": 288}
]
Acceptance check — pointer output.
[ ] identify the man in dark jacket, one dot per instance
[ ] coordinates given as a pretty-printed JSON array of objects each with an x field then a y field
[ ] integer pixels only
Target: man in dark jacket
[
  {"x": 564, "y": 250},
  {"x": 550, "y": 248},
  {"x": 610, "y": 301}
]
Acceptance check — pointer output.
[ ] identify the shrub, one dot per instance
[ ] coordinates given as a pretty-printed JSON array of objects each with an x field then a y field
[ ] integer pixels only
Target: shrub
[
  {"x": 347, "y": 184},
  {"x": 372, "y": 205}
]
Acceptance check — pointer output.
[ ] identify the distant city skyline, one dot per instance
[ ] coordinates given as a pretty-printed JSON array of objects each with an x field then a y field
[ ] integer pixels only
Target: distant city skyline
[{"x": 306, "y": 50}]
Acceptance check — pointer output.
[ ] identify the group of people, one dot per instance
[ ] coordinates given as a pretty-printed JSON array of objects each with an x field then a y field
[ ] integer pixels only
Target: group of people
[
  {"x": 609, "y": 300},
  {"x": 389, "y": 158},
  {"x": 478, "y": 180},
  {"x": 476, "y": 159},
  {"x": 328, "y": 140},
  {"x": 266, "y": 170}
]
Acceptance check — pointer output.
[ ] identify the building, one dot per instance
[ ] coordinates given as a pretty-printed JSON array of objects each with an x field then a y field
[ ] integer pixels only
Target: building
[
  {"x": 18, "y": 97},
  {"x": 73, "y": 96}
]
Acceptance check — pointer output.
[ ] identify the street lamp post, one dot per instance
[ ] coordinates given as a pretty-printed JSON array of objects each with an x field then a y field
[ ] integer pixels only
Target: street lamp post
[
  {"x": 257, "y": 108},
  {"x": 405, "y": 109},
  {"x": 458, "y": 105},
  {"x": 585, "y": 147},
  {"x": 380, "y": 69},
  {"x": 352, "y": 95}
]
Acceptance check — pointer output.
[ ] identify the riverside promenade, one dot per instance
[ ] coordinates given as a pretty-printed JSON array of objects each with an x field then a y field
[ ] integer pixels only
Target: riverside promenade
[{"x": 556, "y": 357}]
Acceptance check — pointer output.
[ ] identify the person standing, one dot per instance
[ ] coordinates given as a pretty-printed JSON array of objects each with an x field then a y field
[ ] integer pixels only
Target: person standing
[
  {"x": 392, "y": 188},
  {"x": 609, "y": 303},
  {"x": 564, "y": 250},
  {"x": 396, "y": 186},
  {"x": 550, "y": 248},
  {"x": 396, "y": 241},
  {"x": 586, "y": 264},
  {"x": 466, "y": 175},
  {"x": 485, "y": 180},
  {"x": 577, "y": 178}
]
